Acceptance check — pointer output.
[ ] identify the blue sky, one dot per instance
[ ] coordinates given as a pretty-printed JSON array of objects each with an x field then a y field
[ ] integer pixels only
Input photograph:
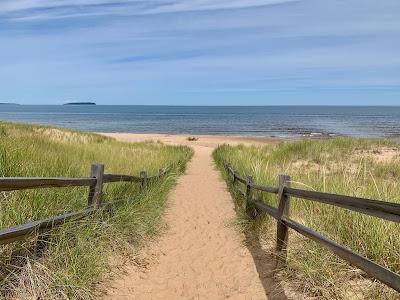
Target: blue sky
[{"x": 200, "y": 52}]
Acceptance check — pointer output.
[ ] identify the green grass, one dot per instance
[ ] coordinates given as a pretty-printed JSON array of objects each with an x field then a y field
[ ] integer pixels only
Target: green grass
[
  {"x": 355, "y": 167},
  {"x": 69, "y": 260}
]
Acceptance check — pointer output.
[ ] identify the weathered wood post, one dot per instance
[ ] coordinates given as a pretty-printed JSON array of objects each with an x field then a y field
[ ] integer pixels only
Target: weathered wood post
[
  {"x": 143, "y": 176},
  {"x": 160, "y": 172},
  {"x": 95, "y": 191},
  {"x": 249, "y": 181},
  {"x": 230, "y": 171},
  {"x": 282, "y": 229}
]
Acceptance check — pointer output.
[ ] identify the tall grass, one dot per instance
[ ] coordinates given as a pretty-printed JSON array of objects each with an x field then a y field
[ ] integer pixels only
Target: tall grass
[
  {"x": 69, "y": 260},
  {"x": 355, "y": 167}
]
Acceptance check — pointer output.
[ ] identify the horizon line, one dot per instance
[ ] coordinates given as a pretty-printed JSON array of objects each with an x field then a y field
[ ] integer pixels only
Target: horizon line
[{"x": 216, "y": 105}]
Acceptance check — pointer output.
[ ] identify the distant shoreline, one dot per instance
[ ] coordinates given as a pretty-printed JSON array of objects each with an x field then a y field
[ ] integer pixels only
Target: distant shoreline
[
  {"x": 80, "y": 103},
  {"x": 218, "y": 106}
]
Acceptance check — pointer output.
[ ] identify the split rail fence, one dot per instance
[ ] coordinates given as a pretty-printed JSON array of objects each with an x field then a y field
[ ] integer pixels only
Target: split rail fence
[
  {"x": 94, "y": 182},
  {"x": 380, "y": 209}
]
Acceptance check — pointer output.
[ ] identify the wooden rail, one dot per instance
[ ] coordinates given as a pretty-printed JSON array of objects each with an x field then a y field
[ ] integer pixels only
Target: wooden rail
[
  {"x": 380, "y": 209},
  {"x": 95, "y": 183},
  {"x": 22, "y": 183}
]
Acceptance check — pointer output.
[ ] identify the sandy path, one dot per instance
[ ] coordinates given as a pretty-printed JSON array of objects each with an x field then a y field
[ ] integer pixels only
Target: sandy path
[{"x": 200, "y": 255}]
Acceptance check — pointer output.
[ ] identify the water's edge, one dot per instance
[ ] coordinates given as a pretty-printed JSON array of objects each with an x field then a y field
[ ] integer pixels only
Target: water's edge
[{"x": 261, "y": 121}]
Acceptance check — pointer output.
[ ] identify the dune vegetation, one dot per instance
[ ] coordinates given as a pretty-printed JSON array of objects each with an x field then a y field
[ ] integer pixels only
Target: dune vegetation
[
  {"x": 68, "y": 261},
  {"x": 348, "y": 166}
]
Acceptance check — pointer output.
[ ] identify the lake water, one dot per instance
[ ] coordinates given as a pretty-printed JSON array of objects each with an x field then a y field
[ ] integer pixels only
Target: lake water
[{"x": 285, "y": 121}]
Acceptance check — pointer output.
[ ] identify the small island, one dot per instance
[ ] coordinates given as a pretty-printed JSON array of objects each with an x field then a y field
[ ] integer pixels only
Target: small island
[
  {"x": 8, "y": 103},
  {"x": 80, "y": 103}
]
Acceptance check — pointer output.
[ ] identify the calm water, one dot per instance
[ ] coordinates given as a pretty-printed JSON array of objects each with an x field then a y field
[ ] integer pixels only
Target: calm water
[{"x": 288, "y": 121}]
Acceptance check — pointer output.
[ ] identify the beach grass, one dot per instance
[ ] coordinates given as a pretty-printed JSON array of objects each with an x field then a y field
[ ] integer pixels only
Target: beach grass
[
  {"x": 348, "y": 166},
  {"x": 68, "y": 261}
]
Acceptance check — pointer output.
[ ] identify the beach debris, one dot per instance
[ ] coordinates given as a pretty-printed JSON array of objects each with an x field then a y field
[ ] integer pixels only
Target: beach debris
[
  {"x": 319, "y": 135},
  {"x": 192, "y": 138}
]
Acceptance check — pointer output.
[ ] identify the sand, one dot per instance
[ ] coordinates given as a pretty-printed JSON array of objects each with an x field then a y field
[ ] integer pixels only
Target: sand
[
  {"x": 203, "y": 140},
  {"x": 201, "y": 255}
]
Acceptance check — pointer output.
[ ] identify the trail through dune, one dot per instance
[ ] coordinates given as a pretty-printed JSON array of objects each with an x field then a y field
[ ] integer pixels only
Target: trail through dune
[{"x": 201, "y": 255}]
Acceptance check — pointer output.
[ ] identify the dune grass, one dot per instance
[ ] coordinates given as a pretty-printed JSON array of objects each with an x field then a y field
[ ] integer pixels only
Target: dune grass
[
  {"x": 68, "y": 261},
  {"x": 355, "y": 167}
]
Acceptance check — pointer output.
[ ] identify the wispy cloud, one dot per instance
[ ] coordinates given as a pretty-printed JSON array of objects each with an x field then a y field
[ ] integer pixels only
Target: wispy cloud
[{"x": 49, "y": 9}]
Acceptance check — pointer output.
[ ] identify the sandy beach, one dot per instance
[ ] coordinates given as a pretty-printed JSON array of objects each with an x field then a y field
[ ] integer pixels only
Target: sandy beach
[{"x": 202, "y": 140}]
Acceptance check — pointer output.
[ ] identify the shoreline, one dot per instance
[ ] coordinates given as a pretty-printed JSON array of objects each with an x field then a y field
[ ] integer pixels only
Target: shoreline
[{"x": 206, "y": 140}]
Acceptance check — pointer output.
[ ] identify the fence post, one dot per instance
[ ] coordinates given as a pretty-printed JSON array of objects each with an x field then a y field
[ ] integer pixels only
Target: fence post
[
  {"x": 249, "y": 181},
  {"x": 95, "y": 191},
  {"x": 282, "y": 229},
  {"x": 160, "y": 172},
  {"x": 143, "y": 176}
]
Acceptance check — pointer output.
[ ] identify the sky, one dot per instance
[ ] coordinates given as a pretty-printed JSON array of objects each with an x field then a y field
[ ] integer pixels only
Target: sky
[{"x": 200, "y": 52}]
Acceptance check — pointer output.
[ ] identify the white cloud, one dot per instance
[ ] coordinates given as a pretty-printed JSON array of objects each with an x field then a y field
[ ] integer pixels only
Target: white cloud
[
  {"x": 51, "y": 9},
  {"x": 194, "y": 5},
  {"x": 150, "y": 6}
]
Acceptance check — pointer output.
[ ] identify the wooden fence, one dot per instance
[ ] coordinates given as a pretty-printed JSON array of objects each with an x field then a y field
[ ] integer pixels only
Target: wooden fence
[
  {"x": 381, "y": 209},
  {"x": 94, "y": 182}
]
